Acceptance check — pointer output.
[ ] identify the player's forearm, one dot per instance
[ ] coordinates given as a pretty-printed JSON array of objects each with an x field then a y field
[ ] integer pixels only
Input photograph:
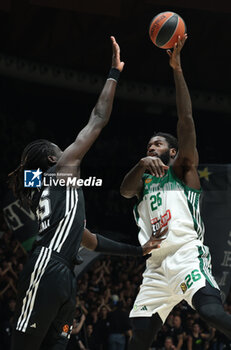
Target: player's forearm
[
  {"x": 132, "y": 182},
  {"x": 107, "y": 246},
  {"x": 183, "y": 99},
  {"x": 103, "y": 108},
  {"x": 185, "y": 126}
]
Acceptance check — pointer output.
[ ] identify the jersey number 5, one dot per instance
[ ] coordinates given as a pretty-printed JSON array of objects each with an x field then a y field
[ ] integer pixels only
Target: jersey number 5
[{"x": 44, "y": 207}]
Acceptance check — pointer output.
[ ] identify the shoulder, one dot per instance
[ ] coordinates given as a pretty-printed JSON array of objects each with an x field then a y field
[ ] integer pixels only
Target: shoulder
[{"x": 187, "y": 178}]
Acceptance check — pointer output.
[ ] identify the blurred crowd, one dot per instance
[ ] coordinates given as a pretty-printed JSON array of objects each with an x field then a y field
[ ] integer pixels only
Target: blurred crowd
[
  {"x": 12, "y": 259},
  {"x": 106, "y": 293}
]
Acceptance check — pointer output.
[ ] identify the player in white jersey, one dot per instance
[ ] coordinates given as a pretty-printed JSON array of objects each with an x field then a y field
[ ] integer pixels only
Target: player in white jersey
[{"x": 168, "y": 189}]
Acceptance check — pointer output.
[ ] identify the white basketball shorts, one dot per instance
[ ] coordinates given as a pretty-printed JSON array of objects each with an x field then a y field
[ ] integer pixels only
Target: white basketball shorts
[{"x": 167, "y": 282}]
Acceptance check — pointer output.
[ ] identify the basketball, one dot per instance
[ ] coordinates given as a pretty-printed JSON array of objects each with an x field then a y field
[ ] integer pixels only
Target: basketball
[{"x": 165, "y": 29}]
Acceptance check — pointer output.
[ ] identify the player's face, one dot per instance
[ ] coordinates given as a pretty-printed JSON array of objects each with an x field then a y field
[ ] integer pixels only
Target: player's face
[{"x": 158, "y": 147}]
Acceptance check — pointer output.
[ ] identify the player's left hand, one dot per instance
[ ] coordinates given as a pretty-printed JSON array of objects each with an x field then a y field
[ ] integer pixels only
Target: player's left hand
[
  {"x": 174, "y": 55},
  {"x": 154, "y": 241},
  {"x": 116, "y": 63}
]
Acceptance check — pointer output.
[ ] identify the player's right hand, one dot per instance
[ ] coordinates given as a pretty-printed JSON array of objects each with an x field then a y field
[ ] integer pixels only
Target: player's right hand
[
  {"x": 174, "y": 55},
  {"x": 154, "y": 165},
  {"x": 116, "y": 63}
]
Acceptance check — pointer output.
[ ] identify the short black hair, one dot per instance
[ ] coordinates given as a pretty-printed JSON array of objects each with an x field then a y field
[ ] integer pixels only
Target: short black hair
[{"x": 172, "y": 140}]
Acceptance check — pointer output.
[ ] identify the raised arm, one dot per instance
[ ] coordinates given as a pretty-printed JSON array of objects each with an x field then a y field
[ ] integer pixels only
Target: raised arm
[
  {"x": 186, "y": 161},
  {"x": 100, "y": 115}
]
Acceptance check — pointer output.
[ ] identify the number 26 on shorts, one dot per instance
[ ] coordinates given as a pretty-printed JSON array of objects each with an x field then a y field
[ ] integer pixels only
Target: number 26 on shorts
[{"x": 194, "y": 276}]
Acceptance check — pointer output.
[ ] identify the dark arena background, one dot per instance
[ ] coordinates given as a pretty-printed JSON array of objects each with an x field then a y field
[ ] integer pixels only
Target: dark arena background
[{"x": 55, "y": 56}]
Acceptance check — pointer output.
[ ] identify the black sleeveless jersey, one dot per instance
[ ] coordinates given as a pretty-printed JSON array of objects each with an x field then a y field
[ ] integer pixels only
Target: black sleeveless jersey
[{"x": 61, "y": 216}]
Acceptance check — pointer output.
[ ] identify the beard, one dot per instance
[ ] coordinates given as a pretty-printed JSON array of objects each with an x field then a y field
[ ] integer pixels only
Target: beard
[{"x": 165, "y": 157}]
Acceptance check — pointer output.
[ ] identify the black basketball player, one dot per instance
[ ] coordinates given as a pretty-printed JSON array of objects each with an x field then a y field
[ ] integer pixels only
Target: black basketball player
[
  {"x": 47, "y": 287},
  {"x": 167, "y": 186}
]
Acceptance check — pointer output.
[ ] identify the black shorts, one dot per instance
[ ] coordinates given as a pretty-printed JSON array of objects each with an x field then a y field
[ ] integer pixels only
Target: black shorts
[{"x": 46, "y": 297}]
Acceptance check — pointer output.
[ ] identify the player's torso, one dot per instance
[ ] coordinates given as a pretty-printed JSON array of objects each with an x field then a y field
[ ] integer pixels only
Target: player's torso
[
  {"x": 61, "y": 218},
  {"x": 168, "y": 202}
]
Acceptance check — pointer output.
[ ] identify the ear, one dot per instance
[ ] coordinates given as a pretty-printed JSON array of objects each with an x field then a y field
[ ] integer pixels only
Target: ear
[
  {"x": 173, "y": 153},
  {"x": 52, "y": 159}
]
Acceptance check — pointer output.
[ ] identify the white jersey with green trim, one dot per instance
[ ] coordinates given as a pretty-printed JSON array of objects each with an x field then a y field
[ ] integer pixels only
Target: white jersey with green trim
[{"x": 167, "y": 201}]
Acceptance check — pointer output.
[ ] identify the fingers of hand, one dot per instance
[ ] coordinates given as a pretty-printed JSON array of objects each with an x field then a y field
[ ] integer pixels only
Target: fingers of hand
[
  {"x": 115, "y": 46},
  {"x": 156, "y": 247},
  {"x": 121, "y": 65},
  {"x": 156, "y": 241},
  {"x": 180, "y": 41},
  {"x": 152, "y": 170},
  {"x": 157, "y": 167},
  {"x": 169, "y": 52},
  {"x": 161, "y": 234}
]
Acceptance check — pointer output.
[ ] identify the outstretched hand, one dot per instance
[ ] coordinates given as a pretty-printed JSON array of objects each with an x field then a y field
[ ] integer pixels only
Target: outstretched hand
[
  {"x": 116, "y": 63},
  {"x": 154, "y": 241},
  {"x": 174, "y": 55}
]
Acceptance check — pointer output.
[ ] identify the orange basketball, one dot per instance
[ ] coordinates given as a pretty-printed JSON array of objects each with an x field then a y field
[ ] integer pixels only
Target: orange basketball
[{"x": 165, "y": 29}]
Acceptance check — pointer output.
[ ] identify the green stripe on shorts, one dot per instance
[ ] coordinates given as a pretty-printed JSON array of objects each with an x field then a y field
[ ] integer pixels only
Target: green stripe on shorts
[{"x": 205, "y": 266}]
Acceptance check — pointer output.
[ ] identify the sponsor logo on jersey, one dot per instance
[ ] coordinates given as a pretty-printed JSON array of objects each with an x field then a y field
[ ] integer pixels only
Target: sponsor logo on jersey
[
  {"x": 158, "y": 223},
  {"x": 147, "y": 181},
  {"x": 183, "y": 287}
]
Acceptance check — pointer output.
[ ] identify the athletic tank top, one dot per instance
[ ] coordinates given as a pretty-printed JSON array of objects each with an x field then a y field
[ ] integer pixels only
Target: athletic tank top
[
  {"x": 61, "y": 216},
  {"x": 167, "y": 201}
]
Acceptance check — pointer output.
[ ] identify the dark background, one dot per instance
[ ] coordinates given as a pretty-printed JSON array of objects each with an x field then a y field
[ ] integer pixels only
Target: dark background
[{"x": 54, "y": 59}]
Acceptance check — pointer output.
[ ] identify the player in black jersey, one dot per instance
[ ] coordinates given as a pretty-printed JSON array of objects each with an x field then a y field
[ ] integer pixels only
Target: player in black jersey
[{"x": 47, "y": 286}]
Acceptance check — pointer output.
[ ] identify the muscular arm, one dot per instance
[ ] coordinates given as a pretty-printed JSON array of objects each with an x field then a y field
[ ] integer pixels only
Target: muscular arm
[
  {"x": 132, "y": 183},
  {"x": 104, "y": 245},
  {"x": 100, "y": 115},
  {"x": 185, "y": 127},
  {"x": 87, "y": 136},
  {"x": 186, "y": 161}
]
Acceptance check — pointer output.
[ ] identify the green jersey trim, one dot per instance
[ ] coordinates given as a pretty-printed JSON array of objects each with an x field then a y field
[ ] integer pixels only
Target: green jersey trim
[
  {"x": 181, "y": 182},
  {"x": 205, "y": 265},
  {"x": 193, "y": 200}
]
